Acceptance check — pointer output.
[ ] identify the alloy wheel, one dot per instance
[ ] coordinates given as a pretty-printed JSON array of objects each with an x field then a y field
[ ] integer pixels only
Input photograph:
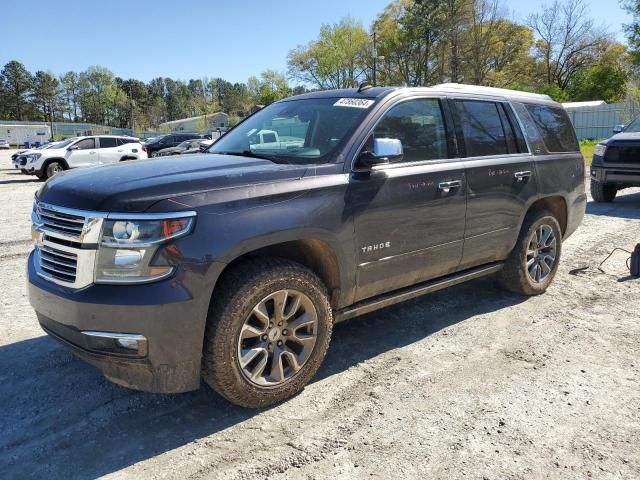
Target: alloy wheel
[
  {"x": 541, "y": 253},
  {"x": 277, "y": 338}
]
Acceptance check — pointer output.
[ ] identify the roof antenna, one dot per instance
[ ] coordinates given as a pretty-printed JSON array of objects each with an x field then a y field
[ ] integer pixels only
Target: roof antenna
[{"x": 364, "y": 86}]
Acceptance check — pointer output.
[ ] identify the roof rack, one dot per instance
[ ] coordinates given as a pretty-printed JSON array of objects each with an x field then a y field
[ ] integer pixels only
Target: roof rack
[{"x": 464, "y": 88}]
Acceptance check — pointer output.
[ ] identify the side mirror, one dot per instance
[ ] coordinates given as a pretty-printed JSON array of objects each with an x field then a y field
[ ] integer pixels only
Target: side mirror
[
  {"x": 73, "y": 147},
  {"x": 385, "y": 150},
  {"x": 618, "y": 128}
]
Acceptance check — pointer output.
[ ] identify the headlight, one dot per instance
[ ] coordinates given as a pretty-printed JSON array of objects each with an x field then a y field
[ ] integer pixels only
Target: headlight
[
  {"x": 128, "y": 246},
  {"x": 599, "y": 150},
  {"x": 33, "y": 157}
]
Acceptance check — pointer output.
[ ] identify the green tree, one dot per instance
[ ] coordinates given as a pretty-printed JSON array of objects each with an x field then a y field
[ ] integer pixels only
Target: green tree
[
  {"x": 270, "y": 87},
  {"x": 632, "y": 29},
  {"x": 567, "y": 41},
  {"x": 46, "y": 95},
  {"x": 17, "y": 83},
  {"x": 100, "y": 97},
  {"x": 70, "y": 82},
  {"x": 339, "y": 58}
]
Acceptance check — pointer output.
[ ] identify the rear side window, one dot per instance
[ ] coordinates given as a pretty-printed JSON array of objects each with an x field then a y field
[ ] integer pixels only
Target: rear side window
[
  {"x": 482, "y": 128},
  {"x": 555, "y": 127},
  {"x": 124, "y": 141},
  {"x": 108, "y": 142}
]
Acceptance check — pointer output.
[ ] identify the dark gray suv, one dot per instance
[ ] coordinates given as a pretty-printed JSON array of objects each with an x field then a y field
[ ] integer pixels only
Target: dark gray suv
[{"x": 234, "y": 266}]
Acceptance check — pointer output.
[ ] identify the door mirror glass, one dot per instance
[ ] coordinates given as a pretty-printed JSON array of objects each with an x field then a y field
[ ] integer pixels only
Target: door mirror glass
[
  {"x": 618, "y": 128},
  {"x": 383, "y": 150}
]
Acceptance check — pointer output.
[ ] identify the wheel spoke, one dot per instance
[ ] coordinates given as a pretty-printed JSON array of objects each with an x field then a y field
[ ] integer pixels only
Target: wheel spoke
[
  {"x": 292, "y": 360},
  {"x": 249, "y": 331},
  {"x": 301, "y": 321},
  {"x": 294, "y": 307},
  {"x": 279, "y": 302},
  {"x": 259, "y": 368},
  {"x": 546, "y": 269},
  {"x": 248, "y": 355},
  {"x": 277, "y": 371},
  {"x": 545, "y": 233},
  {"x": 530, "y": 262},
  {"x": 304, "y": 339},
  {"x": 260, "y": 311}
]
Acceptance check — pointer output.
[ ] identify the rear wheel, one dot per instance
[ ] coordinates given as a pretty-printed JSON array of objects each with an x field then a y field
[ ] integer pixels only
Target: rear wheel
[
  {"x": 53, "y": 168},
  {"x": 268, "y": 331},
  {"x": 533, "y": 262},
  {"x": 603, "y": 192}
]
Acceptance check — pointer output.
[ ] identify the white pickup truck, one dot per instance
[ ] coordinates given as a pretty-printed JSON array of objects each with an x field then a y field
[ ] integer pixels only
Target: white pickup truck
[{"x": 80, "y": 152}]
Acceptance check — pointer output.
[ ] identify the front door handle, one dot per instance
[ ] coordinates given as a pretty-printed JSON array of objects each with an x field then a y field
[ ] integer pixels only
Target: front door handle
[
  {"x": 520, "y": 176},
  {"x": 447, "y": 186}
]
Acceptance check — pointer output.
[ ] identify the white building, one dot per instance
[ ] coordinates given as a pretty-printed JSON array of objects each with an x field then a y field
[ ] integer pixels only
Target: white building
[{"x": 19, "y": 134}]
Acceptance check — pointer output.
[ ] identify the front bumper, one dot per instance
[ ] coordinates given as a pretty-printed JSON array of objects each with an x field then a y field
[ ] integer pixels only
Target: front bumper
[
  {"x": 621, "y": 175},
  {"x": 170, "y": 315}
]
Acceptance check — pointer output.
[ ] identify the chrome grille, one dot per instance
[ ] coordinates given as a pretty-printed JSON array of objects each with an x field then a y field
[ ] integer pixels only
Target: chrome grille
[
  {"x": 59, "y": 264},
  {"x": 57, "y": 221}
]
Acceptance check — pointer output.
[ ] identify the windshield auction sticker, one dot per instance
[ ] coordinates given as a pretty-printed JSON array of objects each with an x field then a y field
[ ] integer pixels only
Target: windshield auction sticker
[{"x": 354, "y": 102}]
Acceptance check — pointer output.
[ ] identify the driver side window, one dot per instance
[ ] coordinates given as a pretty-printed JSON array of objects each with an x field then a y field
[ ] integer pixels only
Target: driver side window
[
  {"x": 86, "y": 144},
  {"x": 419, "y": 125}
]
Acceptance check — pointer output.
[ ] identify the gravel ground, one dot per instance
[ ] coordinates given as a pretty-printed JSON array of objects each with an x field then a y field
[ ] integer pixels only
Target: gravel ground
[{"x": 468, "y": 382}]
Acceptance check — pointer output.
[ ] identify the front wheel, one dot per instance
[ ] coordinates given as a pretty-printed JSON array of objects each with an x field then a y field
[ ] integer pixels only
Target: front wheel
[
  {"x": 534, "y": 260},
  {"x": 268, "y": 331},
  {"x": 603, "y": 192},
  {"x": 53, "y": 169}
]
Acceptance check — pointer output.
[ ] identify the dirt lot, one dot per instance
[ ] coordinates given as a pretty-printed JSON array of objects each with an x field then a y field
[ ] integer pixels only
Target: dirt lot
[{"x": 469, "y": 382}]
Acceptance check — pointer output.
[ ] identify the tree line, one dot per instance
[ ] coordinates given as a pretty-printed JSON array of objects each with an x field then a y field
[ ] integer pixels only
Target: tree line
[
  {"x": 97, "y": 96},
  {"x": 559, "y": 50}
]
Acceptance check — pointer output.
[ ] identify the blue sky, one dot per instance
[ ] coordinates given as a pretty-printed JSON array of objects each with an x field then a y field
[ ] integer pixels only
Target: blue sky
[{"x": 191, "y": 38}]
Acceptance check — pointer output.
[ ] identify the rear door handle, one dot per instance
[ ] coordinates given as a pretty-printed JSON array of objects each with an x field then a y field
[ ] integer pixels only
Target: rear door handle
[
  {"x": 447, "y": 186},
  {"x": 520, "y": 176}
]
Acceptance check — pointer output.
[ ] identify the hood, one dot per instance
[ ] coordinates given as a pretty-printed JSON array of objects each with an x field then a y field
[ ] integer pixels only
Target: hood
[
  {"x": 136, "y": 185},
  {"x": 624, "y": 136}
]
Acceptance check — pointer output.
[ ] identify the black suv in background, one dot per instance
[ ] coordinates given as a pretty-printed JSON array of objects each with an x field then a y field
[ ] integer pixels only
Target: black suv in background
[
  {"x": 235, "y": 266},
  {"x": 616, "y": 163},
  {"x": 167, "y": 141}
]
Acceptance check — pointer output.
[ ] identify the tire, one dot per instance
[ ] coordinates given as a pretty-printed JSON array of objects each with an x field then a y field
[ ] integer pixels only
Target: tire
[
  {"x": 41, "y": 176},
  {"x": 52, "y": 169},
  {"x": 246, "y": 289},
  {"x": 527, "y": 261},
  {"x": 603, "y": 192}
]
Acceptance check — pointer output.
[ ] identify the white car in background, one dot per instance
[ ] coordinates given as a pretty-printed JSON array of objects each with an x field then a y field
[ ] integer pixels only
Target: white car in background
[
  {"x": 79, "y": 152},
  {"x": 15, "y": 159},
  {"x": 5, "y": 144}
]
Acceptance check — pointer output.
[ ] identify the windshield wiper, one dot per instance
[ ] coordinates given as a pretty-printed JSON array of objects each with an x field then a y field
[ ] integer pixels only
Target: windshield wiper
[{"x": 252, "y": 154}]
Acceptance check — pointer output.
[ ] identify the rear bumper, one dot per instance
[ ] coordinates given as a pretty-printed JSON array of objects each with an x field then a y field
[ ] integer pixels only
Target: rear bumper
[
  {"x": 168, "y": 318},
  {"x": 619, "y": 175}
]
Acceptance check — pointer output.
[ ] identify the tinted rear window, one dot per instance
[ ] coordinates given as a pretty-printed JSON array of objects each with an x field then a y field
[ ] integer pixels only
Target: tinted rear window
[
  {"x": 555, "y": 127},
  {"x": 108, "y": 142},
  {"x": 482, "y": 128}
]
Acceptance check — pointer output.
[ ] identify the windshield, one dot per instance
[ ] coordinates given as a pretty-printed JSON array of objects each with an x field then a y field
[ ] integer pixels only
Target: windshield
[
  {"x": 295, "y": 131},
  {"x": 66, "y": 143}
]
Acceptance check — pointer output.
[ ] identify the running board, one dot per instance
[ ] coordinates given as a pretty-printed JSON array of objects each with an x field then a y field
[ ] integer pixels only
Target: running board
[{"x": 408, "y": 293}]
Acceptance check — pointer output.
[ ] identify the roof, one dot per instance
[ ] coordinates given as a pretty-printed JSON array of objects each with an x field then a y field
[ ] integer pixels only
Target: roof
[
  {"x": 476, "y": 89},
  {"x": 194, "y": 118},
  {"x": 595, "y": 103},
  {"x": 378, "y": 92}
]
